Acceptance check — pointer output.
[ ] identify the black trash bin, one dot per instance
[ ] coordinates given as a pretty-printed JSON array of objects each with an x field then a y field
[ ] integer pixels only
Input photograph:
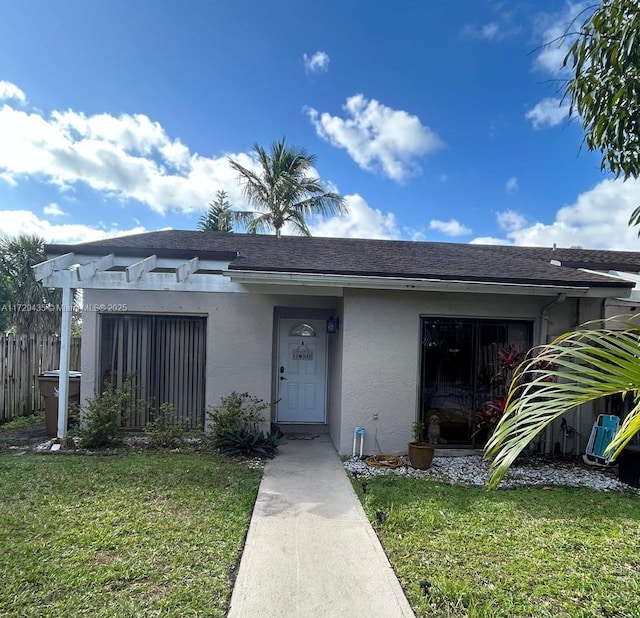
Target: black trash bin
[
  {"x": 49, "y": 382},
  {"x": 629, "y": 465}
]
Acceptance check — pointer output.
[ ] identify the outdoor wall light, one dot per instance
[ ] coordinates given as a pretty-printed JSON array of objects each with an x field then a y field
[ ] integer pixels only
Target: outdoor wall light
[{"x": 333, "y": 325}]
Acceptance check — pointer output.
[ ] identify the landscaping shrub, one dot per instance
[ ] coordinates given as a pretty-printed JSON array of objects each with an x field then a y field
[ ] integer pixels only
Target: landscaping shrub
[
  {"x": 235, "y": 427},
  {"x": 165, "y": 431},
  {"x": 101, "y": 416}
]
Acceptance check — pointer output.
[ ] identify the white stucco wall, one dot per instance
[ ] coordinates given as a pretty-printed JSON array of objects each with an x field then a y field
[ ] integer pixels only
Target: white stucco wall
[
  {"x": 381, "y": 353},
  {"x": 240, "y": 343},
  {"x": 374, "y": 359}
]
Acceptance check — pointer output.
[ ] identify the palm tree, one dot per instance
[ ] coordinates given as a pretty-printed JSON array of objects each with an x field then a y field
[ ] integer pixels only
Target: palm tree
[
  {"x": 283, "y": 191},
  {"x": 6, "y": 300},
  {"x": 577, "y": 367},
  {"x": 219, "y": 216},
  {"x": 34, "y": 307}
]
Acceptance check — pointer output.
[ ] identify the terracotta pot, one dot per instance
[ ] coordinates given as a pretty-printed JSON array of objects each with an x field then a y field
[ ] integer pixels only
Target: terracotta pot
[{"x": 420, "y": 455}]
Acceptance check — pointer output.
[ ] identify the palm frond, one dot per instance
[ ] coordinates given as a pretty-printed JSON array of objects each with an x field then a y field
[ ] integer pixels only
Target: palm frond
[
  {"x": 584, "y": 365},
  {"x": 634, "y": 219},
  {"x": 243, "y": 217},
  {"x": 254, "y": 188},
  {"x": 298, "y": 223},
  {"x": 325, "y": 204},
  {"x": 259, "y": 223}
]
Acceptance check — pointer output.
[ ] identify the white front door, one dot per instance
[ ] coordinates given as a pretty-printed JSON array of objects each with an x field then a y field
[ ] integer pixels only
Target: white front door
[{"x": 301, "y": 371}]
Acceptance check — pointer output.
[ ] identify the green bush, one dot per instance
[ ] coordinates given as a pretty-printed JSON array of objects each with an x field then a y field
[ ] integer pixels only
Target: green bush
[
  {"x": 101, "y": 416},
  {"x": 235, "y": 427},
  {"x": 165, "y": 431}
]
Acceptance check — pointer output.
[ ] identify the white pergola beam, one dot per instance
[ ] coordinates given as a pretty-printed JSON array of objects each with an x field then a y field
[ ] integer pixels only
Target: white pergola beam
[
  {"x": 163, "y": 262},
  {"x": 184, "y": 270},
  {"x": 46, "y": 269},
  {"x": 163, "y": 281},
  {"x": 86, "y": 271},
  {"x": 135, "y": 271}
]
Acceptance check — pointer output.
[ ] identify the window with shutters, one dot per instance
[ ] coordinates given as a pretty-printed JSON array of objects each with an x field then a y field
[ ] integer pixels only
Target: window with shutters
[{"x": 165, "y": 357}]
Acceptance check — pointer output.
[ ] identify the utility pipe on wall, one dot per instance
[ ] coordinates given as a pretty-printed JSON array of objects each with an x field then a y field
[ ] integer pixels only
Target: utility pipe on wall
[
  {"x": 358, "y": 432},
  {"x": 544, "y": 333}
]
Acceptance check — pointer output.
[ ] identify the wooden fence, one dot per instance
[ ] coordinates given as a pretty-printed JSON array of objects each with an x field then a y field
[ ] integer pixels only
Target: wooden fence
[{"x": 22, "y": 358}]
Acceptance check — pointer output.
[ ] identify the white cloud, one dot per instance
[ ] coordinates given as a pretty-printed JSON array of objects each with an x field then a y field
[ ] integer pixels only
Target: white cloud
[
  {"x": 556, "y": 33},
  {"x": 510, "y": 220},
  {"x": 511, "y": 186},
  {"x": 316, "y": 63},
  {"x": 489, "y": 240},
  {"x": 53, "y": 210},
  {"x": 9, "y": 91},
  {"x": 548, "y": 112},
  {"x": 505, "y": 25},
  {"x": 362, "y": 221},
  {"x": 377, "y": 136},
  {"x": 26, "y": 222},
  {"x": 487, "y": 31},
  {"x": 449, "y": 228},
  {"x": 556, "y": 36},
  {"x": 9, "y": 179},
  {"x": 597, "y": 220},
  {"x": 129, "y": 157}
]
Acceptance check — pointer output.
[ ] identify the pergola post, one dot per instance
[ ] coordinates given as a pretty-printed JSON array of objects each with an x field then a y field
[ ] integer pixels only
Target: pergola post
[{"x": 65, "y": 358}]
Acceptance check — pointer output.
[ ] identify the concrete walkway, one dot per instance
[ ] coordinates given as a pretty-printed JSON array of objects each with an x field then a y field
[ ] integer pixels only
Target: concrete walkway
[{"x": 311, "y": 551}]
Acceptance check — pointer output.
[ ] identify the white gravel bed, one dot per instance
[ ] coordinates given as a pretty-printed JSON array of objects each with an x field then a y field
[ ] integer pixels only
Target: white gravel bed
[
  {"x": 474, "y": 471},
  {"x": 255, "y": 464},
  {"x": 140, "y": 441}
]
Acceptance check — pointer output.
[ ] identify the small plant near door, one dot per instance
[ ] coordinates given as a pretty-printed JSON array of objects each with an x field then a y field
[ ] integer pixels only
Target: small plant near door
[
  {"x": 235, "y": 427},
  {"x": 420, "y": 452},
  {"x": 417, "y": 432},
  {"x": 100, "y": 416},
  {"x": 165, "y": 430}
]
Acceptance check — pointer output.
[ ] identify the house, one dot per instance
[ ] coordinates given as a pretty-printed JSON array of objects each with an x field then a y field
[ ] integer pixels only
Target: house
[{"x": 341, "y": 333}]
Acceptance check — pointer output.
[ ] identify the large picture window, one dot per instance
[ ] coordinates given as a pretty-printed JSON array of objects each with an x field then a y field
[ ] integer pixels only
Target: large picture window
[
  {"x": 462, "y": 371},
  {"x": 165, "y": 357}
]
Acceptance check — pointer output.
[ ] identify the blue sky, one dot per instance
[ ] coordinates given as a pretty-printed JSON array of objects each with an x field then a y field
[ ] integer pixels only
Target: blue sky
[{"x": 437, "y": 121}]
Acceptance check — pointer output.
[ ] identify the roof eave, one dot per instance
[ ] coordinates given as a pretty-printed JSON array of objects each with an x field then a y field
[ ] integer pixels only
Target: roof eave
[{"x": 423, "y": 284}]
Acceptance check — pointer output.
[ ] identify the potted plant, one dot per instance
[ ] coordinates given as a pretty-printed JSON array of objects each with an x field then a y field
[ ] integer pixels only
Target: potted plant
[{"x": 420, "y": 452}]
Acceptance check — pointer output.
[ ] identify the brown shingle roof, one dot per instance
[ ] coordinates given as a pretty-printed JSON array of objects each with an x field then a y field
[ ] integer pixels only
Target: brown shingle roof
[{"x": 383, "y": 258}]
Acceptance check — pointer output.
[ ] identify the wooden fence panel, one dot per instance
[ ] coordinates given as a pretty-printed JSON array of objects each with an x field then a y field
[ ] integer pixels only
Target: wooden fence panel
[{"x": 22, "y": 359}]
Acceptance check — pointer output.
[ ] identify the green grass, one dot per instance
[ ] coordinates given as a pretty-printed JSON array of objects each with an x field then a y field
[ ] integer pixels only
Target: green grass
[
  {"x": 527, "y": 552},
  {"x": 22, "y": 422},
  {"x": 127, "y": 535}
]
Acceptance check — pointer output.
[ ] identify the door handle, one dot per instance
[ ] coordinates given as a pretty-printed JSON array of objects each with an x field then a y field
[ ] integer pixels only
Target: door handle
[{"x": 282, "y": 378}]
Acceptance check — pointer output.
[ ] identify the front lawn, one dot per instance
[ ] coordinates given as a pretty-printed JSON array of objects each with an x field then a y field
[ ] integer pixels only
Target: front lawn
[
  {"x": 526, "y": 552},
  {"x": 123, "y": 535}
]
